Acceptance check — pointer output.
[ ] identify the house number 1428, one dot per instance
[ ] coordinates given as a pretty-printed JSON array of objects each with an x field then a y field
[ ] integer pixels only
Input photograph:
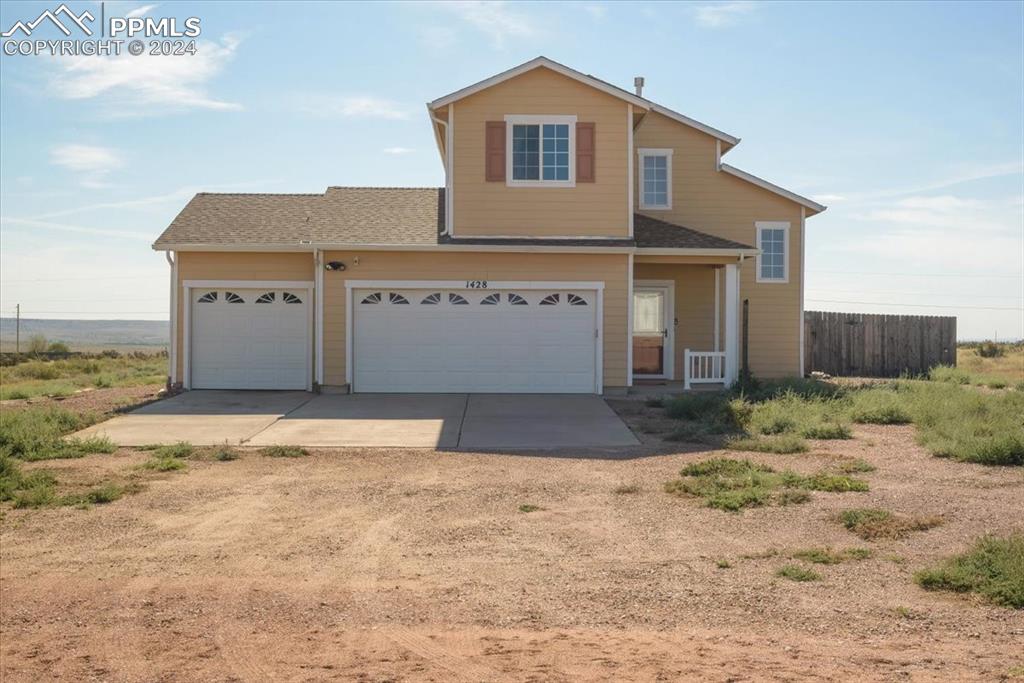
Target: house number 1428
[{"x": 476, "y": 284}]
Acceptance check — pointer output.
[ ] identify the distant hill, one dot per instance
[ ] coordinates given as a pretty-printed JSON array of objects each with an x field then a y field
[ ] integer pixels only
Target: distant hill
[{"x": 85, "y": 335}]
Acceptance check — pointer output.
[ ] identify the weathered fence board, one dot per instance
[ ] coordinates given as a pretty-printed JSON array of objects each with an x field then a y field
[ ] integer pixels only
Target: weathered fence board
[{"x": 870, "y": 345}]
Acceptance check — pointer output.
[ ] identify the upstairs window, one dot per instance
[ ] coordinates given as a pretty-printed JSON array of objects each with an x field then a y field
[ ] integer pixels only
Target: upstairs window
[
  {"x": 773, "y": 261},
  {"x": 655, "y": 178},
  {"x": 540, "y": 150}
]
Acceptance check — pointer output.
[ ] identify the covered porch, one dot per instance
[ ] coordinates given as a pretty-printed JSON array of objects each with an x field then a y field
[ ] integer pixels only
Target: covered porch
[{"x": 685, "y": 322}]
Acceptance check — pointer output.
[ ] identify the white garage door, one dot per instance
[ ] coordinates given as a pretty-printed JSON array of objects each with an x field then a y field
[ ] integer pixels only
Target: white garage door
[
  {"x": 250, "y": 339},
  {"x": 438, "y": 340}
]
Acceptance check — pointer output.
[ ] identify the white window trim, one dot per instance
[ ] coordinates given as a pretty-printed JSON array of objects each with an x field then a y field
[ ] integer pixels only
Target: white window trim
[
  {"x": 655, "y": 152},
  {"x": 761, "y": 226},
  {"x": 539, "y": 120}
]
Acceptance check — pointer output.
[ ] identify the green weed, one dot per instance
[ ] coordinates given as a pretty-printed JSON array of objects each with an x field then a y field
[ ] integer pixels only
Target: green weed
[
  {"x": 993, "y": 568},
  {"x": 796, "y": 573}
]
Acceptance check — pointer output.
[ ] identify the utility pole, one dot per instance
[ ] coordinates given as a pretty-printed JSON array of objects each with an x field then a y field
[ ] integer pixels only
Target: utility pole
[{"x": 17, "y": 329}]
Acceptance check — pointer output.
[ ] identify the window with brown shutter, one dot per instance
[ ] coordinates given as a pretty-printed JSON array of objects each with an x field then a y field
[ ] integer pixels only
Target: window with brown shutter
[
  {"x": 585, "y": 152},
  {"x": 494, "y": 152}
]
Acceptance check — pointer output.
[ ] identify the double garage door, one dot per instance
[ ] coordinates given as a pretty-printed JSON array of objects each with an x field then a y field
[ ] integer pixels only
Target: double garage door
[
  {"x": 475, "y": 340},
  {"x": 403, "y": 340}
]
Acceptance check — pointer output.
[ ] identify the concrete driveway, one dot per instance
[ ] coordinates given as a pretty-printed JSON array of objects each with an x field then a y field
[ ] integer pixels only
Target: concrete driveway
[{"x": 466, "y": 421}]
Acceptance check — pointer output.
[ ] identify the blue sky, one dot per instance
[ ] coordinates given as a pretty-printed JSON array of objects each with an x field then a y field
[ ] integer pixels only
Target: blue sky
[{"x": 906, "y": 119}]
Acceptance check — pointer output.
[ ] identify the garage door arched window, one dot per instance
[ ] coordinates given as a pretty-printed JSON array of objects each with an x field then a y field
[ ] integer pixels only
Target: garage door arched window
[
  {"x": 550, "y": 300},
  {"x": 290, "y": 298},
  {"x": 396, "y": 298},
  {"x": 516, "y": 300},
  {"x": 491, "y": 299},
  {"x": 456, "y": 299},
  {"x": 208, "y": 298},
  {"x": 434, "y": 298},
  {"x": 372, "y": 299},
  {"x": 576, "y": 300},
  {"x": 266, "y": 298},
  {"x": 233, "y": 298}
]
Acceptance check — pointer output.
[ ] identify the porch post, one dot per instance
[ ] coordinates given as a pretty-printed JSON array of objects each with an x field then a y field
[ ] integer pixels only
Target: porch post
[{"x": 732, "y": 327}]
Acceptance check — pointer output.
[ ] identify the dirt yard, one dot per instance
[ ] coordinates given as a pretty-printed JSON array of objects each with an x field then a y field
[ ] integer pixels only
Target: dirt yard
[{"x": 388, "y": 565}]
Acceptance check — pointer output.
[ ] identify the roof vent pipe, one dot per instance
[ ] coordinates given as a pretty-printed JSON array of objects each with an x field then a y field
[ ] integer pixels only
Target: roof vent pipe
[{"x": 638, "y": 83}]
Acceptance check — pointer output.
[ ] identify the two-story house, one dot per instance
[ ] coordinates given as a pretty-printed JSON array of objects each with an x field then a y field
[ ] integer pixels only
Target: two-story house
[{"x": 586, "y": 238}]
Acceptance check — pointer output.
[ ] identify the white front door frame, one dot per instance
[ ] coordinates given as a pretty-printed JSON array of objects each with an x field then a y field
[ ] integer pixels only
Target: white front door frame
[
  {"x": 669, "y": 352},
  {"x": 189, "y": 285},
  {"x": 598, "y": 287}
]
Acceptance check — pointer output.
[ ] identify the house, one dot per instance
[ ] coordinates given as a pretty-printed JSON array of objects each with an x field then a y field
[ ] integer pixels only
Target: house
[{"x": 586, "y": 238}]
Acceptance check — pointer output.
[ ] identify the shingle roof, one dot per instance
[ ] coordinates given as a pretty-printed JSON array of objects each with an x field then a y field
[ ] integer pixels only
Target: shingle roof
[
  {"x": 380, "y": 215},
  {"x": 374, "y": 215},
  {"x": 242, "y": 219},
  {"x": 652, "y": 233}
]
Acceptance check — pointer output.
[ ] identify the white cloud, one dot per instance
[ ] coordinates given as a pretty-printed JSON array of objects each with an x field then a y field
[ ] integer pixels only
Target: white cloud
[
  {"x": 398, "y": 151},
  {"x": 146, "y": 84},
  {"x": 963, "y": 173},
  {"x": 830, "y": 198},
  {"x": 437, "y": 37},
  {"x": 66, "y": 227},
  {"x": 141, "y": 11},
  {"x": 938, "y": 250},
  {"x": 946, "y": 211},
  {"x": 722, "y": 14},
  {"x": 93, "y": 162},
  {"x": 351, "y": 106},
  {"x": 937, "y": 234},
  {"x": 497, "y": 20},
  {"x": 175, "y": 196},
  {"x": 597, "y": 11}
]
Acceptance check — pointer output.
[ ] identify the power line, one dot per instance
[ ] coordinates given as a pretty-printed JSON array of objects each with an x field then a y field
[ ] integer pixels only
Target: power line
[
  {"x": 85, "y": 279},
  {"x": 915, "y": 274},
  {"x": 150, "y": 300},
  {"x": 889, "y": 303},
  {"x": 101, "y": 312},
  {"x": 959, "y": 296}
]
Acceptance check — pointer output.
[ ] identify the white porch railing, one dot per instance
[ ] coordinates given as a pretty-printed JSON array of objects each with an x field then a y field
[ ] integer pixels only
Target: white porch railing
[{"x": 703, "y": 367}]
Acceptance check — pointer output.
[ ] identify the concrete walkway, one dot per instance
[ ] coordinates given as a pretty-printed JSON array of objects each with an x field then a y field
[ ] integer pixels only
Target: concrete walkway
[{"x": 466, "y": 421}]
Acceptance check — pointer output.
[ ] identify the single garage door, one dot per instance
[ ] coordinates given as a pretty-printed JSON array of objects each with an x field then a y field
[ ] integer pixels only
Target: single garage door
[
  {"x": 250, "y": 339},
  {"x": 470, "y": 340}
]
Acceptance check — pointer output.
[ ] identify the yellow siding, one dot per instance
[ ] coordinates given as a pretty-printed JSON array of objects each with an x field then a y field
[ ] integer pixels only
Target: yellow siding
[
  {"x": 209, "y": 265},
  {"x": 714, "y": 202},
  {"x": 612, "y": 269},
  {"x": 492, "y": 208}
]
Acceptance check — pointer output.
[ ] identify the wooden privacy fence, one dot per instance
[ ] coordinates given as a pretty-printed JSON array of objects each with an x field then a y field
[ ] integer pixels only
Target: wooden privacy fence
[{"x": 868, "y": 345}]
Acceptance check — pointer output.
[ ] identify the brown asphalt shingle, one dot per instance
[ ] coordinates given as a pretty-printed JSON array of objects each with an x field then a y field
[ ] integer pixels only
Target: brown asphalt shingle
[
  {"x": 214, "y": 218},
  {"x": 380, "y": 215},
  {"x": 652, "y": 233},
  {"x": 372, "y": 215}
]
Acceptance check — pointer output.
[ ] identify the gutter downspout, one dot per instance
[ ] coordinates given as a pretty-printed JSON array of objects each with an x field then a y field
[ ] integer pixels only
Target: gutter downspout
[
  {"x": 318, "y": 319},
  {"x": 447, "y": 173},
  {"x": 172, "y": 349}
]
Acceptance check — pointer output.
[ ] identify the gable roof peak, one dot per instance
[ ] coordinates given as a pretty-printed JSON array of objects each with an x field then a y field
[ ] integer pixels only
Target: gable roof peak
[{"x": 587, "y": 79}]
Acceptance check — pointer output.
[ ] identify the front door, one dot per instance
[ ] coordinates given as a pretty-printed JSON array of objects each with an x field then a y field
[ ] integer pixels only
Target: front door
[{"x": 651, "y": 331}]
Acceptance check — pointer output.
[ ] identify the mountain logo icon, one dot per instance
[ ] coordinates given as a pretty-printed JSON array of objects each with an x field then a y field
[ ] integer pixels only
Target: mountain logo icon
[{"x": 54, "y": 17}]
